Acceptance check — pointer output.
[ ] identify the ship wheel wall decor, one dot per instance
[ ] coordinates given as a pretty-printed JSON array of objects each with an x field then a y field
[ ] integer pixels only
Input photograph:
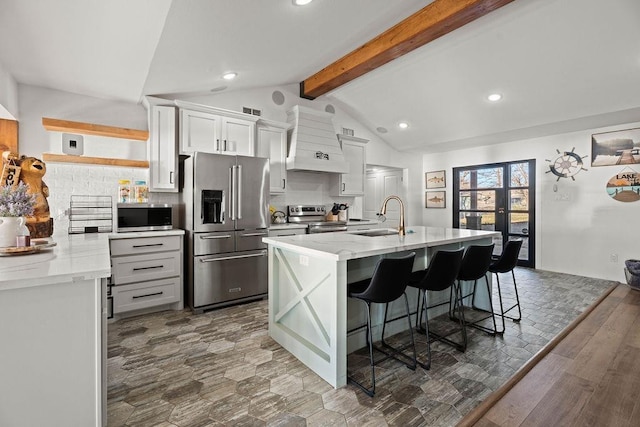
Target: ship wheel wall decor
[{"x": 566, "y": 165}]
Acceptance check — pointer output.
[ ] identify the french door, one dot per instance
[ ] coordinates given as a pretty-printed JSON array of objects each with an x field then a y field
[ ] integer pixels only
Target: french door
[{"x": 498, "y": 197}]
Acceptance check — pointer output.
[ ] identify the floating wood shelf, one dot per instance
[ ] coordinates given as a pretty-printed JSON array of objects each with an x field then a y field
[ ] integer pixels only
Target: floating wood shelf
[
  {"x": 93, "y": 129},
  {"x": 65, "y": 158}
]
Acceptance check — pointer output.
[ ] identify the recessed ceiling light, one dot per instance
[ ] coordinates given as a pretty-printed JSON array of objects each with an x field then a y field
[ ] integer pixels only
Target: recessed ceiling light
[
  {"x": 301, "y": 2},
  {"x": 403, "y": 125},
  {"x": 494, "y": 97},
  {"x": 229, "y": 76}
]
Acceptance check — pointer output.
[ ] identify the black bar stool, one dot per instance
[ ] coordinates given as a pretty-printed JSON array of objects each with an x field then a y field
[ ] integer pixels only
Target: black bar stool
[
  {"x": 388, "y": 283},
  {"x": 475, "y": 265},
  {"x": 507, "y": 263},
  {"x": 439, "y": 275}
]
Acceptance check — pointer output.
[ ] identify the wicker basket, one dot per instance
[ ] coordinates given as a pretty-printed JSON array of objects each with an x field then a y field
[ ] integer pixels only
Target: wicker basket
[{"x": 632, "y": 273}]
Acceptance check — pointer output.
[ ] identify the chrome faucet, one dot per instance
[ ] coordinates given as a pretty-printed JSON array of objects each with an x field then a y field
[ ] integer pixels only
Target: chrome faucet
[{"x": 383, "y": 211}]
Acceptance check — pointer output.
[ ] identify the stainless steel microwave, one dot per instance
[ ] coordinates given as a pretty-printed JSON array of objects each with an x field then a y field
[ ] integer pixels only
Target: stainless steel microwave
[{"x": 144, "y": 217}]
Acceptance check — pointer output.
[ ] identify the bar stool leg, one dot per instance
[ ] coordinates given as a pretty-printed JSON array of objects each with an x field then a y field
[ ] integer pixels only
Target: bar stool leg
[
  {"x": 501, "y": 304},
  {"x": 369, "y": 392},
  {"x": 427, "y": 365}
]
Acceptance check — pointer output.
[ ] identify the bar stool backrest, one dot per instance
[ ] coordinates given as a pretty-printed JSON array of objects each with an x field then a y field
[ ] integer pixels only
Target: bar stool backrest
[
  {"x": 508, "y": 259},
  {"x": 476, "y": 262},
  {"x": 443, "y": 270},
  {"x": 389, "y": 280}
]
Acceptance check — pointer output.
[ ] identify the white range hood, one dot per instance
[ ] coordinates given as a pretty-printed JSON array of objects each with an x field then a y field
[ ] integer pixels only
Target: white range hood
[{"x": 313, "y": 143}]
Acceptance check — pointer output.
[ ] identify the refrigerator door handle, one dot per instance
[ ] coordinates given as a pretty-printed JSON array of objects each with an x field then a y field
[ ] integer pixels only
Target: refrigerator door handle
[
  {"x": 232, "y": 190},
  {"x": 226, "y": 258},
  {"x": 239, "y": 190}
]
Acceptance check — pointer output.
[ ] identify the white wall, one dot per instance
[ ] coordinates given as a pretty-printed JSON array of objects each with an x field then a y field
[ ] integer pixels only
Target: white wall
[
  {"x": 65, "y": 179},
  {"x": 8, "y": 95},
  {"x": 314, "y": 188},
  {"x": 578, "y": 227}
]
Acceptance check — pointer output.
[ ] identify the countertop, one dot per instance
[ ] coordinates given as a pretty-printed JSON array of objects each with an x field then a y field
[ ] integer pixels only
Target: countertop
[
  {"x": 349, "y": 245},
  {"x": 136, "y": 234},
  {"x": 75, "y": 256}
]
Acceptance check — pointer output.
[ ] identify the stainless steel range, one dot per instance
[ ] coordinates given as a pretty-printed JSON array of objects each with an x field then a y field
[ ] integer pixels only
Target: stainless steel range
[{"x": 315, "y": 218}]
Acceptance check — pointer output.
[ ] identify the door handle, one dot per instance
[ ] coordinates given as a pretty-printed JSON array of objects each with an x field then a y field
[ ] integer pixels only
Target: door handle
[
  {"x": 253, "y": 234},
  {"x": 170, "y": 177},
  {"x": 226, "y": 236},
  {"x": 239, "y": 190},
  {"x": 232, "y": 190},
  {"x": 217, "y": 144},
  {"x": 284, "y": 183},
  {"x": 226, "y": 258}
]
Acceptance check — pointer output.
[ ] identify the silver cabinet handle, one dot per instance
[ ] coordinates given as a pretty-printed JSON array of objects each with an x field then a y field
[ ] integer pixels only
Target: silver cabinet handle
[
  {"x": 217, "y": 144},
  {"x": 225, "y": 145},
  {"x": 284, "y": 183},
  {"x": 226, "y": 258},
  {"x": 285, "y": 235},
  {"x": 148, "y": 295},
  {"x": 148, "y": 268},
  {"x": 170, "y": 177},
  {"x": 148, "y": 246},
  {"x": 226, "y": 236},
  {"x": 253, "y": 234}
]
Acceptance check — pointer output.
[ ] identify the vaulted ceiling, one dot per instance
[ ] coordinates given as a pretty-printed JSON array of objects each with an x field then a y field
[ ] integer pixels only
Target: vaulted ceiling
[{"x": 560, "y": 65}]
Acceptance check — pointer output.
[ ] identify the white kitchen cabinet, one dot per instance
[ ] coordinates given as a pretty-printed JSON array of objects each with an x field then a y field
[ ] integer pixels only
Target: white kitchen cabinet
[
  {"x": 352, "y": 183},
  {"x": 163, "y": 158},
  {"x": 209, "y": 132},
  {"x": 272, "y": 143},
  {"x": 147, "y": 273}
]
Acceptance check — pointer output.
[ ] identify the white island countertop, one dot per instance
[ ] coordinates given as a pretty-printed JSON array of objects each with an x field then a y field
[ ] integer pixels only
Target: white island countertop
[
  {"x": 350, "y": 245},
  {"x": 76, "y": 256}
]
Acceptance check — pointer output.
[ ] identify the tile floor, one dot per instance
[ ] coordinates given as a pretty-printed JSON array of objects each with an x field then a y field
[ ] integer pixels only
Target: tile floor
[{"x": 221, "y": 368}]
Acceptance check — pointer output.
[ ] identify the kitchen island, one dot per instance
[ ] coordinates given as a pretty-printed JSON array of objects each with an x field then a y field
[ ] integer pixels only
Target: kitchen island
[
  {"x": 53, "y": 333},
  {"x": 309, "y": 311}
]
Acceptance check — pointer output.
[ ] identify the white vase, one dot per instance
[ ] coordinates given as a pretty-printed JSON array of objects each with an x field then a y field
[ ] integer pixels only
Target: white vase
[{"x": 9, "y": 227}]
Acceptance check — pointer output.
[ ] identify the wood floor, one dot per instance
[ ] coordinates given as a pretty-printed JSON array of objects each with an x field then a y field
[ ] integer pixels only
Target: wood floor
[{"x": 590, "y": 378}]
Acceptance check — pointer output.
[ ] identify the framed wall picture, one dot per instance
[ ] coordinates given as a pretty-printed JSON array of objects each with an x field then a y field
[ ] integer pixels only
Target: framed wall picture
[
  {"x": 435, "y": 179},
  {"x": 435, "y": 199},
  {"x": 617, "y": 148}
]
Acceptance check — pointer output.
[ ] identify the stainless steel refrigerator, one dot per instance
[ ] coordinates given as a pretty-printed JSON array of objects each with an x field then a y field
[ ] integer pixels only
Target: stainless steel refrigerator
[{"x": 225, "y": 202}]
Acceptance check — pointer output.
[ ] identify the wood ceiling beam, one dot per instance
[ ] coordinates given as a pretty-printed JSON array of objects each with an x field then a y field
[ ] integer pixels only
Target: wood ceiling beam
[{"x": 435, "y": 20}]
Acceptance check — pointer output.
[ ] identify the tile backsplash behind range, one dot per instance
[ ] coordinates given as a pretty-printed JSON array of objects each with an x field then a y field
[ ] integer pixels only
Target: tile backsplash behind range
[{"x": 308, "y": 188}]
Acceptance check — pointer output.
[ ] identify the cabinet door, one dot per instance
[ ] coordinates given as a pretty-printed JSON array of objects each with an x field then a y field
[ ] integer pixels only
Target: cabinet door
[
  {"x": 353, "y": 182},
  {"x": 199, "y": 132},
  {"x": 237, "y": 137},
  {"x": 272, "y": 143},
  {"x": 163, "y": 159}
]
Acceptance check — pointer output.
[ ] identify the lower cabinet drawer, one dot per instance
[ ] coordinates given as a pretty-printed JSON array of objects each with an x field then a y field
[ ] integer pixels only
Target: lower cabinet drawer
[
  {"x": 137, "y": 268},
  {"x": 146, "y": 294}
]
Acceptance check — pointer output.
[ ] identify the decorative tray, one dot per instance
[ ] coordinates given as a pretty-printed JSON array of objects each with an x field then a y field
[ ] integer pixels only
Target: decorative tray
[{"x": 36, "y": 246}]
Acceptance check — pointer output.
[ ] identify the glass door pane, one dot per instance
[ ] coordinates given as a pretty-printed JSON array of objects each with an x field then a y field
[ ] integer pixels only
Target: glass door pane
[{"x": 498, "y": 197}]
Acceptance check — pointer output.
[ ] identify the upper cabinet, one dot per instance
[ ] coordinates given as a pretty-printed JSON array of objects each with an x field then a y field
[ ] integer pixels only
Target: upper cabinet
[
  {"x": 272, "y": 143},
  {"x": 217, "y": 131},
  {"x": 163, "y": 158},
  {"x": 352, "y": 183}
]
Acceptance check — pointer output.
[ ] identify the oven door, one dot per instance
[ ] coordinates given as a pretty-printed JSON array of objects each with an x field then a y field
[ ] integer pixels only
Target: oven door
[{"x": 225, "y": 278}]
